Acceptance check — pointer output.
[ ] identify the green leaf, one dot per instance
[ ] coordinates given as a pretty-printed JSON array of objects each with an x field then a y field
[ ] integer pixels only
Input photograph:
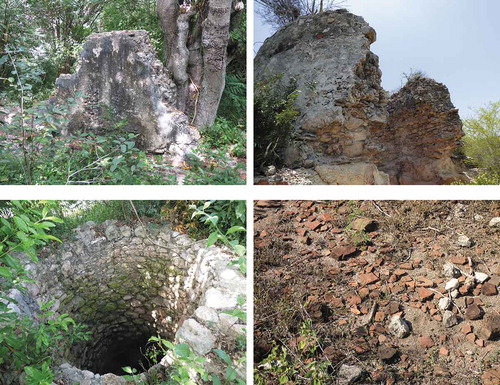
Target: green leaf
[
  {"x": 54, "y": 219},
  {"x": 11, "y": 261},
  {"x": 240, "y": 250},
  {"x": 216, "y": 380},
  {"x": 182, "y": 350},
  {"x": 21, "y": 224},
  {"x": 4, "y": 272},
  {"x": 224, "y": 356},
  {"x": 230, "y": 374},
  {"x": 212, "y": 238},
  {"x": 235, "y": 229}
]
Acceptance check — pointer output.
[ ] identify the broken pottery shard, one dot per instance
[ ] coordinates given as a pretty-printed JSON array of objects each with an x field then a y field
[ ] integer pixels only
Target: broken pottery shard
[{"x": 123, "y": 83}]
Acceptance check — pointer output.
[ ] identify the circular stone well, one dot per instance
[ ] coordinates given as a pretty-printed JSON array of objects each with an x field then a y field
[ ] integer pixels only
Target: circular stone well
[{"x": 128, "y": 284}]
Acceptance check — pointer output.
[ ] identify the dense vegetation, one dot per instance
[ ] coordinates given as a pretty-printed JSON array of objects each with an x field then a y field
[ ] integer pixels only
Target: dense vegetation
[
  {"x": 274, "y": 116},
  {"x": 482, "y": 143},
  {"x": 40, "y": 40},
  {"x": 32, "y": 349}
]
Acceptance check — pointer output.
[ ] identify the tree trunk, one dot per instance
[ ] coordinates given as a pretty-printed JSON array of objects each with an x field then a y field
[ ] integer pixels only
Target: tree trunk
[{"x": 196, "y": 39}]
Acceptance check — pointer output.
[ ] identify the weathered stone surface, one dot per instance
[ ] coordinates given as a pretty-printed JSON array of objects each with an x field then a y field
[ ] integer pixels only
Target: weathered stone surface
[
  {"x": 464, "y": 241},
  {"x": 197, "y": 336},
  {"x": 386, "y": 353},
  {"x": 349, "y": 374},
  {"x": 358, "y": 173},
  {"x": 128, "y": 291},
  {"x": 494, "y": 222},
  {"x": 424, "y": 129},
  {"x": 348, "y": 126},
  {"x": 399, "y": 327},
  {"x": 122, "y": 80},
  {"x": 473, "y": 312},
  {"x": 492, "y": 325},
  {"x": 449, "y": 319}
]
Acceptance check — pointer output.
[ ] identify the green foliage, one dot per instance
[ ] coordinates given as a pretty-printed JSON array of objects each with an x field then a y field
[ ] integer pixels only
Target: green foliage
[
  {"x": 25, "y": 345},
  {"x": 76, "y": 213},
  {"x": 296, "y": 365},
  {"x": 213, "y": 167},
  {"x": 119, "y": 15},
  {"x": 31, "y": 154},
  {"x": 274, "y": 117},
  {"x": 227, "y": 223},
  {"x": 226, "y": 136},
  {"x": 185, "y": 366},
  {"x": 233, "y": 103},
  {"x": 482, "y": 140}
]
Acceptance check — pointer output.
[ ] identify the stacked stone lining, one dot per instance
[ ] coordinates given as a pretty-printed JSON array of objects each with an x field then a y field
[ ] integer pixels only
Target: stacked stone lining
[{"x": 129, "y": 283}]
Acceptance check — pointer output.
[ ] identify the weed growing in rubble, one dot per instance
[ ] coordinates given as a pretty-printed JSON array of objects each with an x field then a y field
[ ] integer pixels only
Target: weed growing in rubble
[
  {"x": 184, "y": 367},
  {"x": 228, "y": 237},
  {"x": 302, "y": 362}
]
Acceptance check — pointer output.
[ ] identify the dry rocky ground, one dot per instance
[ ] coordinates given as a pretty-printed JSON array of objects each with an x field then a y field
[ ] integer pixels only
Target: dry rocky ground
[{"x": 395, "y": 292}]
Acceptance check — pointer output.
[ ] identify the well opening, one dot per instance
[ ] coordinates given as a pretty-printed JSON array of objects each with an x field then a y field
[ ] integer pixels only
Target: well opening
[
  {"x": 129, "y": 284},
  {"x": 115, "y": 348}
]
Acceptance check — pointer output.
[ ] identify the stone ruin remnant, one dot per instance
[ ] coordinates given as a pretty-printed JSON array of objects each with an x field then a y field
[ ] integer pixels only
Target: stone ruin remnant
[
  {"x": 122, "y": 82},
  {"x": 349, "y": 128},
  {"x": 128, "y": 283}
]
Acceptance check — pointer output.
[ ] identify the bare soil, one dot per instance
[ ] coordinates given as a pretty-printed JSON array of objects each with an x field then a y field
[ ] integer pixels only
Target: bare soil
[{"x": 349, "y": 267}]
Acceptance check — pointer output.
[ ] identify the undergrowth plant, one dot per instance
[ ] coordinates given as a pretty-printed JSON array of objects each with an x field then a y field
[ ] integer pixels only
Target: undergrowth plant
[
  {"x": 228, "y": 237},
  {"x": 28, "y": 347},
  {"x": 274, "y": 117},
  {"x": 302, "y": 364}
]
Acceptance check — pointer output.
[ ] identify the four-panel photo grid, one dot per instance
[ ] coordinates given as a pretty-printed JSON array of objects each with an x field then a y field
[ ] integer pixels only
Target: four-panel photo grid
[{"x": 232, "y": 192}]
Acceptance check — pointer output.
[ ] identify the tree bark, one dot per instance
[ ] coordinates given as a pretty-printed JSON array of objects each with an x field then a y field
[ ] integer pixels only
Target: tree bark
[
  {"x": 215, "y": 37},
  {"x": 196, "y": 39}
]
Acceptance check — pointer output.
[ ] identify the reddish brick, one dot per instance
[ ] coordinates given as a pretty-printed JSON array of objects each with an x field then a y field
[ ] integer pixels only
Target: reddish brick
[
  {"x": 425, "y": 342},
  {"x": 458, "y": 259},
  {"x": 489, "y": 289},
  {"x": 424, "y": 293},
  {"x": 366, "y": 279},
  {"x": 443, "y": 351}
]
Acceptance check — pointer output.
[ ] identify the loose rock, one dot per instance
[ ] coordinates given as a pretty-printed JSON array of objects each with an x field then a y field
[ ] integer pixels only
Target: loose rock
[
  {"x": 481, "y": 277},
  {"x": 399, "y": 327},
  {"x": 349, "y": 374},
  {"x": 444, "y": 303},
  {"x": 473, "y": 312},
  {"x": 452, "y": 284},
  {"x": 489, "y": 289},
  {"x": 464, "y": 241},
  {"x": 449, "y": 319}
]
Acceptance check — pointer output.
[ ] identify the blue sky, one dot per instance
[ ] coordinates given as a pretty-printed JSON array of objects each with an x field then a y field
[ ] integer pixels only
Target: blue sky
[{"x": 456, "y": 42}]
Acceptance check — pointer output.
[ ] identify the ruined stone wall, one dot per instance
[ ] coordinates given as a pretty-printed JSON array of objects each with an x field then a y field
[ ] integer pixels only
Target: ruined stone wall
[
  {"x": 122, "y": 82},
  {"x": 130, "y": 283},
  {"x": 349, "y": 129}
]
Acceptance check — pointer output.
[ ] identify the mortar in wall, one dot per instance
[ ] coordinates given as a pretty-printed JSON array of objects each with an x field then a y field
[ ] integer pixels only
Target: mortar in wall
[{"x": 130, "y": 283}]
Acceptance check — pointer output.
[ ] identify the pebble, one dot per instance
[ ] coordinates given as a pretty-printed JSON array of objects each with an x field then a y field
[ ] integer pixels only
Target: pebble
[
  {"x": 495, "y": 222},
  {"x": 450, "y": 270},
  {"x": 454, "y": 293},
  {"x": 349, "y": 373},
  {"x": 473, "y": 312},
  {"x": 444, "y": 303},
  {"x": 452, "y": 284},
  {"x": 464, "y": 241},
  {"x": 399, "y": 327},
  {"x": 449, "y": 319},
  {"x": 481, "y": 277}
]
